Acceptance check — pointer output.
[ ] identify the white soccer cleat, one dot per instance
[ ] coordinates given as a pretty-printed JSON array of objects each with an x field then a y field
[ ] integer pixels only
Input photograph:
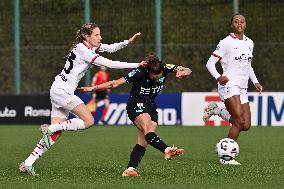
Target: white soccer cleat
[
  {"x": 209, "y": 111},
  {"x": 230, "y": 162},
  {"x": 27, "y": 169},
  {"x": 46, "y": 133}
]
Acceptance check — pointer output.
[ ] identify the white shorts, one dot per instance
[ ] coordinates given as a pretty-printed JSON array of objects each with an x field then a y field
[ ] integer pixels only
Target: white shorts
[
  {"x": 62, "y": 102},
  {"x": 228, "y": 92}
]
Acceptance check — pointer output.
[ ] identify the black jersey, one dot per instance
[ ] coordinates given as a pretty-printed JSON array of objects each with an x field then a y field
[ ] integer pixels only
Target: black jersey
[{"x": 144, "y": 88}]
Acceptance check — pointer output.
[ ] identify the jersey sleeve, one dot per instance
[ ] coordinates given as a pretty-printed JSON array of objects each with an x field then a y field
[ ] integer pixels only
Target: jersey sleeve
[
  {"x": 221, "y": 49},
  {"x": 101, "y": 61},
  {"x": 87, "y": 54},
  {"x": 111, "y": 48},
  {"x": 134, "y": 75}
]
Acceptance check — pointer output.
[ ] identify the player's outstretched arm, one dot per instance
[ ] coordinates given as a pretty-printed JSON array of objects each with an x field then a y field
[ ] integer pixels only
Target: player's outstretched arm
[
  {"x": 111, "y": 48},
  {"x": 101, "y": 61},
  {"x": 104, "y": 86}
]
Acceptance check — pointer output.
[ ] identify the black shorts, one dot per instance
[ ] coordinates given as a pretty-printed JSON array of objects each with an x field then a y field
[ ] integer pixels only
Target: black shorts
[
  {"x": 101, "y": 95},
  {"x": 135, "y": 108}
]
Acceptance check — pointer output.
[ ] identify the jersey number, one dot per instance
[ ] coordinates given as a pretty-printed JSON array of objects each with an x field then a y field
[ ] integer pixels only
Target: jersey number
[{"x": 70, "y": 59}]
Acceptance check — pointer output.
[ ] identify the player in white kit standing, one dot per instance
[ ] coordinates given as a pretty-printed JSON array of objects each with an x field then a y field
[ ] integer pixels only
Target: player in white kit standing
[
  {"x": 235, "y": 55},
  {"x": 83, "y": 55}
]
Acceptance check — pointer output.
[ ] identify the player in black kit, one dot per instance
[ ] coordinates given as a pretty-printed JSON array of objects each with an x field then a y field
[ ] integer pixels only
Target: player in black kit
[{"x": 147, "y": 82}]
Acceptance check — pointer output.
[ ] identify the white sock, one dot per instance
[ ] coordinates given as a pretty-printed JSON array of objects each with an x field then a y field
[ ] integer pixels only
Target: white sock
[
  {"x": 37, "y": 152},
  {"x": 68, "y": 125},
  {"x": 222, "y": 112}
]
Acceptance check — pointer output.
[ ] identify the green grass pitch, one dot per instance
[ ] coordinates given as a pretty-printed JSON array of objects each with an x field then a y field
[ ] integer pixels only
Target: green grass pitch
[{"x": 95, "y": 158}]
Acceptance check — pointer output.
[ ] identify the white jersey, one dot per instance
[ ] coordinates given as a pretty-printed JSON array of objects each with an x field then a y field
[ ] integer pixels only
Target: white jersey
[
  {"x": 80, "y": 59},
  {"x": 110, "y": 48},
  {"x": 236, "y": 56}
]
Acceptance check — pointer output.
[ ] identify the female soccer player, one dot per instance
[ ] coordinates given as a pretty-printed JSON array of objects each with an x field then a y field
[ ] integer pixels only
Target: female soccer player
[
  {"x": 147, "y": 83},
  {"x": 83, "y": 55},
  {"x": 235, "y": 55}
]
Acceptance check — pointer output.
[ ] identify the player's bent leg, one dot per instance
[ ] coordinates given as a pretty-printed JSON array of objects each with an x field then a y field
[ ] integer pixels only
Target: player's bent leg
[
  {"x": 39, "y": 150},
  {"x": 84, "y": 114},
  {"x": 145, "y": 124}
]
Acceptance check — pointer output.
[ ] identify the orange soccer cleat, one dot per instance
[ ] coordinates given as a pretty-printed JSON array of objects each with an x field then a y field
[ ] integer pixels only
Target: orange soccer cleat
[
  {"x": 130, "y": 172},
  {"x": 173, "y": 151}
]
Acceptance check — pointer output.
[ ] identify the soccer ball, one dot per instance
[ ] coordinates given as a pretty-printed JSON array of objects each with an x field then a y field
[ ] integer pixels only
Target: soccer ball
[{"x": 227, "y": 149}]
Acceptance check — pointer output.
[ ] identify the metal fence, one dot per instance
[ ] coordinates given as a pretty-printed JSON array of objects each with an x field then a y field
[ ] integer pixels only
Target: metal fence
[{"x": 189, "y": 32}]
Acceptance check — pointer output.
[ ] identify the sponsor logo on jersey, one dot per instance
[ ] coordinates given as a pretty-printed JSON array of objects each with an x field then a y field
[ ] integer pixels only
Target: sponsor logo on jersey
[
  {"x": 140, "y": 107},
  {"x": 151, "y": 90},
  {"x": 244, "y": 57},
  {"x": 161, "y": 80}
]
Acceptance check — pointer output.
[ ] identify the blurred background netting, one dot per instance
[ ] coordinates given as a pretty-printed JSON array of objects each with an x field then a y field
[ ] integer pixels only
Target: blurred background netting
[{"x": 191, "y": 30}]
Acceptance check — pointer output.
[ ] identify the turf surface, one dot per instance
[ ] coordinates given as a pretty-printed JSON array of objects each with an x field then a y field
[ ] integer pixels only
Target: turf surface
[{"x": 95, "y": 158}]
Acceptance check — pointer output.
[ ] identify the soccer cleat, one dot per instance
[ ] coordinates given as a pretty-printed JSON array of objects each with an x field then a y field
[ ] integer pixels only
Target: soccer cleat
[
  {"x": 130, "y": 172},
  {"x": 46, "y": 133},
  {"x": 230, "y": 162},
  {"x": 27, "y": 169},
  {"x": 173, "y": 151},
  {"x": 209, "y": 111}
]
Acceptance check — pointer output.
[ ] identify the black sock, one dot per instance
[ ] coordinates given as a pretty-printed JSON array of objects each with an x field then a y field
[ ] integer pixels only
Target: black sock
[
  {"x": 155, "y": 141},
  {"x": 136, "y": 156}
]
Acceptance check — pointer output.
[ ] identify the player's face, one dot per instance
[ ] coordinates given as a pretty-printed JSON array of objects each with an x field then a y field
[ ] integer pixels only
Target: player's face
[
  {"x": 155, "y": 77},
  {"x": 238, "y": 24},
  {"x": 95, "y": 38}
]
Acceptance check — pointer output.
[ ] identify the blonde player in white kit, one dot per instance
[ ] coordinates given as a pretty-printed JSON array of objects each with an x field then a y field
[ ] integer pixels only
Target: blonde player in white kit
[
  {"x": 83, "y": 55},
  {"x": 235, "y": 55}
]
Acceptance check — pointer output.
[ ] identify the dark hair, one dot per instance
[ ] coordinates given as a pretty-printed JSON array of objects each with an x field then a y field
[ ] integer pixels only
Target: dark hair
[
  {"x": 86, "y": 29},
  {"x": 232, "y": 18},
  {"x": 154, "y": 65}
]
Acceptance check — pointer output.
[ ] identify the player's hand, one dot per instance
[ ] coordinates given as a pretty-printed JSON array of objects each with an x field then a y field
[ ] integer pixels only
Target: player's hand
[
  {"x": 258, "y": 88},
  {"x": 133, "y": 38},
  {"x": 183, "y": 72},
  {"x": 86, "y": 89},
  {"x": 143, "y": 63},
  {"x": 222, "y": 80}
]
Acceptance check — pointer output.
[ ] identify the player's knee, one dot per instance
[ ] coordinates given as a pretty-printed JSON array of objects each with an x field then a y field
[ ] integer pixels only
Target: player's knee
[
  {"x": 149, "y": 128},
  {"x": 239, "y": 122},
  {"x": 246, "y": 127}
]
